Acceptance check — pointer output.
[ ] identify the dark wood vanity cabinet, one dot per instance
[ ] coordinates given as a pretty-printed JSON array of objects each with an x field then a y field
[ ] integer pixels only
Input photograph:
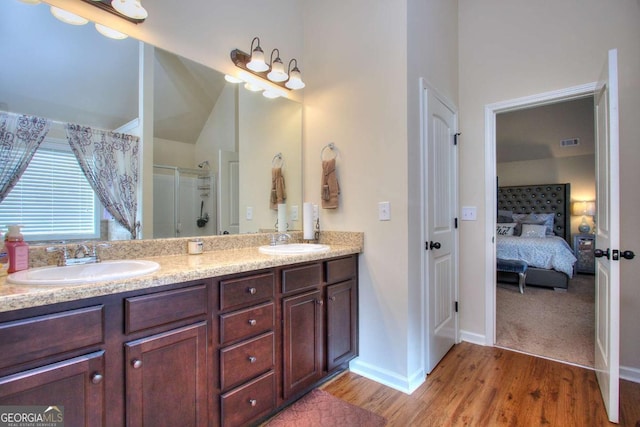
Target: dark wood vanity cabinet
[{"x": 223, "y": 351}]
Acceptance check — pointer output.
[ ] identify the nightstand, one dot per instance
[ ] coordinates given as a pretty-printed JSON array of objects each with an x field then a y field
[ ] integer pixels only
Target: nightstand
[{"x": 583, "y": 247}]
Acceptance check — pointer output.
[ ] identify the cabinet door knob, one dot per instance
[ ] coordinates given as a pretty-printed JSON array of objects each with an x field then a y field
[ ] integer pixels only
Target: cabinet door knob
[
  {"x": 252, "y": 291},
  {"x": 96, "y": 378},
  {"x": 253, "y": 402},
  {"x": 332, "y": 298},
  {"x": 252, "y": 322},
  {"x": 320, "y": 302},
  {"x": 252, "y": 359},
  {"x": 136, "y": 363}
]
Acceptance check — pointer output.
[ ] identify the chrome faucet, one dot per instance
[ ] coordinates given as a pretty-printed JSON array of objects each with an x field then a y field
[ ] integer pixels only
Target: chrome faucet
[
  {"x": 279, "y": 238},
  {"x": 82, "y": 254}
]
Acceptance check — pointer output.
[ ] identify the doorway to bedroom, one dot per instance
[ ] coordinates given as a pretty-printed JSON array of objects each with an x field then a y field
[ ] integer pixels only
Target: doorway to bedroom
[{"x": 536, "y": 147}]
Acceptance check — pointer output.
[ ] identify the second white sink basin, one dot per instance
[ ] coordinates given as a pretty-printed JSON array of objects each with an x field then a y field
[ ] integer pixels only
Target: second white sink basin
[
  {"x": 84, "y": 273},
  {"x": 293, "y": 249}
]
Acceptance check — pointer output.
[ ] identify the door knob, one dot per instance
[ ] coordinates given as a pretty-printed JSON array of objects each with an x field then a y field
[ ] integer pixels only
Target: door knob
[
  {"x": 599, "y": 253},
  {"x": 627, "y": 254},
  {"x": 434, "y": 245}
]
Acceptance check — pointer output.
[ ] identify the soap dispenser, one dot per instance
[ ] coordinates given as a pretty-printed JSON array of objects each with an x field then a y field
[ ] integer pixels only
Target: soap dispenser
[
  {"x": 17, "y": 249},
  {"x": 4, "y": 258}
]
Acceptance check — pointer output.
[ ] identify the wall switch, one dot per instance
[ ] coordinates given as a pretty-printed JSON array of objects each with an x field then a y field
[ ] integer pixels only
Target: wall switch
[
  {"x": 316, "y": 213},
  {"x": 249, "y": 213},
  {"x": 384, "y": 211},
  {"x": 294, "y": 213},
  {"x": 469, "y": 213}
]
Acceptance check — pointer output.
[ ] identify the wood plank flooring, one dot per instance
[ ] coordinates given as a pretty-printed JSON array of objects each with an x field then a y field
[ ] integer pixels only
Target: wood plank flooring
[{"x": 488, "y": 386}]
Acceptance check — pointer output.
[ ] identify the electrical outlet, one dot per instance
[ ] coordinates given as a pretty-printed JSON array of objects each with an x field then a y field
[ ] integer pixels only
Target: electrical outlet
[
  {"x": 469, "y": 213},
  {"x": 249, "y": 213},
  {"x": 294, "y": 213},
  {"x": 384, "y": 211}
]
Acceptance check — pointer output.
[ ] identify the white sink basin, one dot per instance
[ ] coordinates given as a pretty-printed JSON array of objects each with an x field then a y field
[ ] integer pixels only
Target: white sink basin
[
  {"x": 84, "y": 273},
  {"x": 293, "y": 249}
]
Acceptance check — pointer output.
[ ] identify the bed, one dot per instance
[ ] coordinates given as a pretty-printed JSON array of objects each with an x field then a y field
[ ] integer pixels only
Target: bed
[{"x": 534, "y": 225}]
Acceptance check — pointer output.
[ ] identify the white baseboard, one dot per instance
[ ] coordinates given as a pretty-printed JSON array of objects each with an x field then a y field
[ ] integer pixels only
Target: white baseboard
[
  {"x": 391, "y": 379},
  {"x": 630, "y": 374},
  {"x": 473, "y": 338}
]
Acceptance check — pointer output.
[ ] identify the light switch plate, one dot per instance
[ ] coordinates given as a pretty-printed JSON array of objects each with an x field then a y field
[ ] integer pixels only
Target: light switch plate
[
  {"x": 294, "y": 213},
  {"x": 249, "y": 213},
  {"x": 384, "y": 211}
]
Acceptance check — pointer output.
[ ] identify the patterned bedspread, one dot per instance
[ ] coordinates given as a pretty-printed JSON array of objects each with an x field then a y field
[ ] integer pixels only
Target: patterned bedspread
[{"x": 551, "y": 252}]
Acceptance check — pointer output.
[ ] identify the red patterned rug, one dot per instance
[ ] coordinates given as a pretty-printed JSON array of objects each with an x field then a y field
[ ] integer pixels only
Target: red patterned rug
[{"x": 321, "y": 409}]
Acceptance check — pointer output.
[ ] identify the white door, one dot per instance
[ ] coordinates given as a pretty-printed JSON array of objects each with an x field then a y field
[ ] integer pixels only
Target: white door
[
  {"x": 441, "y": 190},
  {"x": 229, "y": 203},
  {"x": 607, "y": 328}
]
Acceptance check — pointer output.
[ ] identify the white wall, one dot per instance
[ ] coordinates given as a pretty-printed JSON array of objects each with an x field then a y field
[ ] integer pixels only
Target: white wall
[
  {"x": 519, "y": 48},
  {"x": 362, "y": 94},
  {"x": 579, "y": 171}
]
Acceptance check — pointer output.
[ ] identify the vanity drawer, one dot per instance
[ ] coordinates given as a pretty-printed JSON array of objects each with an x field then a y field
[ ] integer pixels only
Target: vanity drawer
[
  {"x": 245, "y": 323},
  {"x": 37, "y": 337},
  {"x": 245, "y": 360},
  {"x": 250, "y": 401},
  {"x": 235, "y": 293},
  {"x": 148, "y": 311},
  {"x": 342, "y": 269},
  {"x": 297, "y": 278}
]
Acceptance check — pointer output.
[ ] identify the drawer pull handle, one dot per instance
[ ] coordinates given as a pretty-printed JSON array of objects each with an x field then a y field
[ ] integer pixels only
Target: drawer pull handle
[
  {"x": 96, "y": 378},
  {"x": 252, "y": 291},
  {"x": 332, "y": 298},
  {"x": 252, "y": 322},
  {"x": 253, "y": 402},
  {"x": 252, "y": 359},
  {"x": 136, "y": 363}
]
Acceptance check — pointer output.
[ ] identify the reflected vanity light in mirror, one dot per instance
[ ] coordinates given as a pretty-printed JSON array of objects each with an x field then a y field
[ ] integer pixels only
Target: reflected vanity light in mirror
[
  {"x": 110, "y": 32},
  {"x": 131, "y": 8},
  {"x": 68, "y": 17}
]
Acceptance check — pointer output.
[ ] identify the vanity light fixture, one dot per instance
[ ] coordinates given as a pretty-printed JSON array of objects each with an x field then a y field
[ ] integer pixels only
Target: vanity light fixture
[
  {"x": 68, "y": 17},
  {"x": 295, "y": 78},
  {"x": 131, "y": 8},
  {"x": 277, "y": 73},
  {"x": 273, "y": 72},
  {"x": 256, "y": 62}
]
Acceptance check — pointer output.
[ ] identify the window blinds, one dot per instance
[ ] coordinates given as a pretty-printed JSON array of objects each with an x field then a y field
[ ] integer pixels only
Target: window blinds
[{"x": 53, "y": 200}]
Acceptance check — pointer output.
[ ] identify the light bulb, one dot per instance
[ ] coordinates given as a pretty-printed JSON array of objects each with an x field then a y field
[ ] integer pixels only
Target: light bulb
[
  {"x": 257, "y": 61},
  {"x": 295, "y": 80},
  {"x": 277, "y": 73}
]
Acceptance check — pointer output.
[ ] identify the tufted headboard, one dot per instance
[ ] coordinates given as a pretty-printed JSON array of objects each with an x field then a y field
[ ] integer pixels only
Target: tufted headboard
[{"x": 544, "y": 198}]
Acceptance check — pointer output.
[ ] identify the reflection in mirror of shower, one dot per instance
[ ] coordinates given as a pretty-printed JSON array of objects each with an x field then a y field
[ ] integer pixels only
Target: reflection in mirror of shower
[{"x": 177, "y": 197}]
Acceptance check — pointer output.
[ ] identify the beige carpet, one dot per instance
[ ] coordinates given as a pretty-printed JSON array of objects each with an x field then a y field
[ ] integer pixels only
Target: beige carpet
[{"x": 544, "y": 322}]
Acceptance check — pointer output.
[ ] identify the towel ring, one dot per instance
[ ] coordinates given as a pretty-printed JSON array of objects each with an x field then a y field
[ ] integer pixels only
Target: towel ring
[
  {"x": 277, "y": 161},
  {"x": 331, "y": 146}
]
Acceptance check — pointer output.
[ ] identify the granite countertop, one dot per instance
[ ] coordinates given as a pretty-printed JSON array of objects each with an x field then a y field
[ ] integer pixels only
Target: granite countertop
[{"x": 173, "y": 269}]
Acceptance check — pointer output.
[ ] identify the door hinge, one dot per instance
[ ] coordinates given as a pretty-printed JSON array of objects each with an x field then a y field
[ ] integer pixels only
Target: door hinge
[
  {"x": 455, "y": 222},
  {"x": 456, "y": 306},
  {"x": 455, "y": 138},
  {"x": 426, "y": 245}
]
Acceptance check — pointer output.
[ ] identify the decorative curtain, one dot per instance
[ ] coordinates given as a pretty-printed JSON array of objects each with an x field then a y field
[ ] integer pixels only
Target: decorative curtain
[
  {"x": 20, "y": 137},
  {"x": 110, "y": 161}
]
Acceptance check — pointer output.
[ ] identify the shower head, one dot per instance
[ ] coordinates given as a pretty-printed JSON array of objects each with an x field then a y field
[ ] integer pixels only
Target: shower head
[{"x": 203, "y": 164}]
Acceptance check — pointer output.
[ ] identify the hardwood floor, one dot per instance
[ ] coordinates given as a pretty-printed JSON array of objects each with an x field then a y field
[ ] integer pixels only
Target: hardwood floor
[{"x": 488, "y": 386}]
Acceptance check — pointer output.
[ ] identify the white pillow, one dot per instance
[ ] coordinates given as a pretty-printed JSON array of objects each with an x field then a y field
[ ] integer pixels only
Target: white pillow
[
  {"x": 533, "y": 230},
  {"x": 506, "y": 228}
]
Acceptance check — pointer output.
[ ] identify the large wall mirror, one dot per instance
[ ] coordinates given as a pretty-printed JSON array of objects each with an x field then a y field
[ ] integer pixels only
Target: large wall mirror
[{"x": 214, "y": 142}]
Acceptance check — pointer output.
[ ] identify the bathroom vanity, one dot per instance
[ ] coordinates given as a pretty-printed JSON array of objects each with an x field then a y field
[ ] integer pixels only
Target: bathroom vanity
[{"x": 220, "y": 349}]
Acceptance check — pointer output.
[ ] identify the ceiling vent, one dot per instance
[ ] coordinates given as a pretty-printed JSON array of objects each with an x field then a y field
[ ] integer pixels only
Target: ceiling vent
[{"x": 570, "y": 142}]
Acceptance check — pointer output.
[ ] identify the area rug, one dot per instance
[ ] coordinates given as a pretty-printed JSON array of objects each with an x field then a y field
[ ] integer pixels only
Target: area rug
[
  {"x": 548, "y": 323},
  {"x": 321, "y": 409}
]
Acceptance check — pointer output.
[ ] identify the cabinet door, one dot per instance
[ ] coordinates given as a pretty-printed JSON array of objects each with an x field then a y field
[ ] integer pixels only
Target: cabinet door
[
  {"x": 73, "y": 386},
  {"x": 341, "y": 323},
  {"x": 302, "y": 341},
  {"x": 166, "y": 378}
]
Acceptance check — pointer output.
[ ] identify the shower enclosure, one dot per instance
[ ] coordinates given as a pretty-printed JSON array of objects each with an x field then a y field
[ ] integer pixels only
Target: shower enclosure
[{"x": 184, "y": 202}]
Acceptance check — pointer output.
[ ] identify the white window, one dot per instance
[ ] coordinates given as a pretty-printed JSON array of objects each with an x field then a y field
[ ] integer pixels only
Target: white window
[{"x": 53, "y": 200}]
